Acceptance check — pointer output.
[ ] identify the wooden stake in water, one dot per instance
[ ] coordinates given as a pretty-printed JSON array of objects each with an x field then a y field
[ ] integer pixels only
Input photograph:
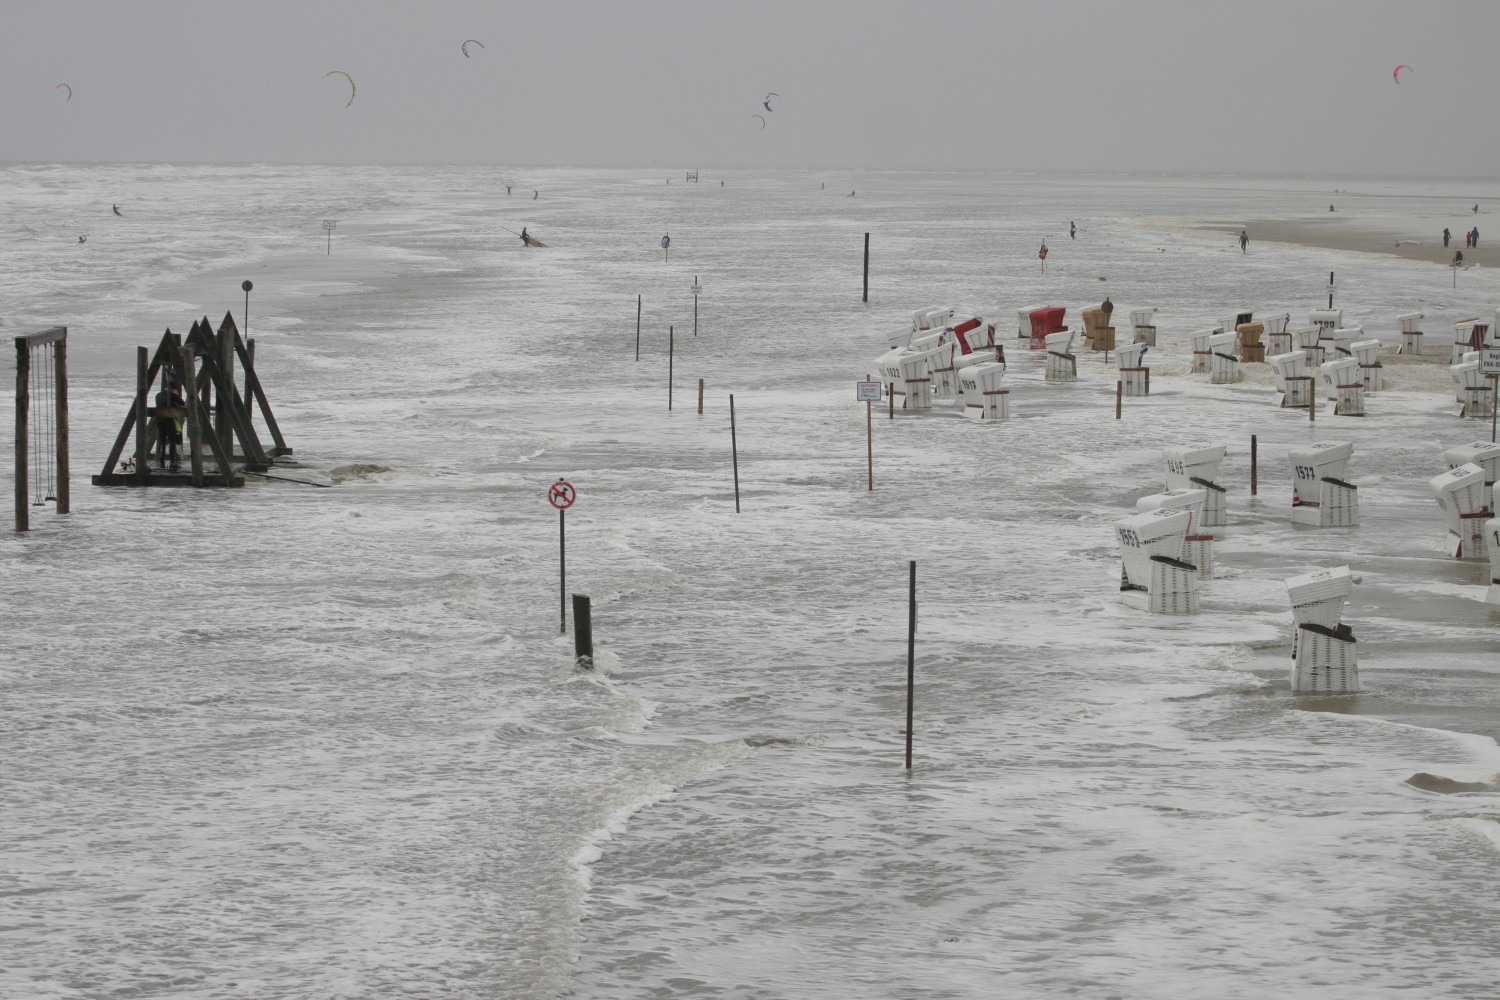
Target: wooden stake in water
[
  {"x": 1330, "y": 289},
  {"x": 583, "y": 632},
  {"x": 670, "y": 350},
  {"x": 734, "y": 449},
  {"x": 700, "y": 397},
  {"x": 1119, "y": 392},
  {"x": 911, "y": 656},
  {"x": 638, "y": 328},
  {"x": 695, "y": 305},
  {"x": 1252, "y": 464}
]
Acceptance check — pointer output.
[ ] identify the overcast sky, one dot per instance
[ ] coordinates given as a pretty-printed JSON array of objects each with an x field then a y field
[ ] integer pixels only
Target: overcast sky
[{"x": 1287, "y": 86}]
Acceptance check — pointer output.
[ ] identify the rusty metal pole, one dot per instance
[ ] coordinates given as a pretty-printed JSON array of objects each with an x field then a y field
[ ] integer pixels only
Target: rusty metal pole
[{"x": 1119, "y": 392}]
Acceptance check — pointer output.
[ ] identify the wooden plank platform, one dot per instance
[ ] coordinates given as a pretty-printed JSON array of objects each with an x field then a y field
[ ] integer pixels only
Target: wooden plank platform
[{"x": 158, "y": 477}]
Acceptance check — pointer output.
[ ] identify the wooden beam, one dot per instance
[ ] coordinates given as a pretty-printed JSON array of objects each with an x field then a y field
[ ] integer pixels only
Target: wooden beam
[
  {"x": 195, "y": 432},
  {"x": 23, "y": 403},
  {"x": 142, "y": 387},
  {"x": 60, "y": 377}
]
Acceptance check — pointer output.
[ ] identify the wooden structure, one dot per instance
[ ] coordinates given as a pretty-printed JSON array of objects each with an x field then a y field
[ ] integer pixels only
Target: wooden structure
[
  {"x": 34, "y": 383},
  {"x": 216, "y": 414}
]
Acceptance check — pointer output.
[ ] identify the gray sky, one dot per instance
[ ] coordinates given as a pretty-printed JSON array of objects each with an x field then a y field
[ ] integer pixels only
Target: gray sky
[{"x": 1286, "y": 86}]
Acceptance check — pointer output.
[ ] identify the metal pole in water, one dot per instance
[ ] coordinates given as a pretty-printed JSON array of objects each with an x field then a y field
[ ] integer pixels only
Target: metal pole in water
[
  {"x": 866, "y": 296},
  {"x": 870, "y": 439},
  {"x": 638, "y": 328},
  {"x": 246, "y": 286},
  {"x": 734, "y": 449},
  {"x": 700, "y": 397},
  {"x": 911, "y": 656},
  {"x": 695, "y": 306},
  {"x": 1119, "y": 392},
  {"x": 670, "y": 349},
  {"x": 562, "y": 569}
]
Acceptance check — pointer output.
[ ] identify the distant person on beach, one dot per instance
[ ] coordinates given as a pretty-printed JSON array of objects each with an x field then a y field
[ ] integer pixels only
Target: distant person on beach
[
  {"x": 1476, "y": 236},
  {"x": 1072, "y": 230},
  {"x": 534, "y": 194},
  {"x": 1476, "y": 209},
  {"x": 507, "y": 189},
  {"x": 168, "y": 430},
  {"x": 1244, "y": 240},
  {"x": 1458, "y": 258},
  {"x": 1330, "y": 208},
  {"x": 1446, "y": 237}
]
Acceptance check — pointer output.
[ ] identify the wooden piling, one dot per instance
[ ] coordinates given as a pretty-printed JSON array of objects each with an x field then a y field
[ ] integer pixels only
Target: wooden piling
[
  {"x": 670, "y": 350},
  {"x": 142, "y": 388},
  {"x": 638, "y": 328},
  {"x": 700, "y": 397},
  {"x": 1252, "y": 464},
  {"x": 60, "y": 377},
  {"x": 1119, "y": 393},
  {"x": 583, "y": 632},
  {"x": 194, "y": 427},
  {"x": 23, "y": 404}
]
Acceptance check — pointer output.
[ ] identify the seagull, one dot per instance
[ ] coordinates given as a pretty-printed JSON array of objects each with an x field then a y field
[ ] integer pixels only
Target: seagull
[{"x": 767, "y": 101}]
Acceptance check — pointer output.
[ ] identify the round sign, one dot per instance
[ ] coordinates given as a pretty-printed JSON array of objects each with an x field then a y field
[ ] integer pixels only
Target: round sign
[
  {"x": 561, "y": 495},
  {"x": 246, "y": 286}
]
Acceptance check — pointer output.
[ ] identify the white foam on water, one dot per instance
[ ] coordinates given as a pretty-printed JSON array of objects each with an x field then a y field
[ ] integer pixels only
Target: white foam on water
[{"x": 286, "y": 741}]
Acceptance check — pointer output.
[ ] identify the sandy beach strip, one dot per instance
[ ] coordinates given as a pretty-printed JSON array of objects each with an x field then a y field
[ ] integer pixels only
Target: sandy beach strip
[{"x": 1363, "y": 234}]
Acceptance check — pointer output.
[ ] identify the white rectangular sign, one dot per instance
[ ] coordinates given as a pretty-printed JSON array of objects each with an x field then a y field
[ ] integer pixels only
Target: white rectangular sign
[
  {"x": 697, "y": 289},
  {"x": 1489, "y": 360},
  {"x": 867, "y": 392}
]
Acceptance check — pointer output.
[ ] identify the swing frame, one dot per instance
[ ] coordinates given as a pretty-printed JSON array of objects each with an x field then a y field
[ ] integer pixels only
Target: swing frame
[{"x": 57, "y": 336}]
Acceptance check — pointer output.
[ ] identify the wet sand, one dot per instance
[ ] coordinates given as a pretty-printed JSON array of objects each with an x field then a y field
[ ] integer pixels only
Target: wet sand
[{"x": 1363, "y": 234}]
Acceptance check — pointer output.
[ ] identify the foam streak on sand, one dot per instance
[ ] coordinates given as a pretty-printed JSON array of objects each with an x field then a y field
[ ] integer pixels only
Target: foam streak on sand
[{"x": 318, "y": 742}]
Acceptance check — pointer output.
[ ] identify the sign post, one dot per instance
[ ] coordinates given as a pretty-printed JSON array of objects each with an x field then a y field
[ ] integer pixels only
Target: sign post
[
  {"x": 869, "y": 393},
  {"x": 697, "y": 288},
  {"x": 1489, "y": 366},
  {"x": 561, "y": 495},
  {"x": 328, "y": 225}
]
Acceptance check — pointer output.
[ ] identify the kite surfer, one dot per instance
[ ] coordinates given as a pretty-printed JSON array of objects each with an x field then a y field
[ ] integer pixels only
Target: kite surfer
[
  {"x": 525, "y": 240},
  {"x": 117, "y": 210},
  {"x": 83, "y": 239},
  {"x": 507, "y": 189},
  {"x": 534, "y": 194}
]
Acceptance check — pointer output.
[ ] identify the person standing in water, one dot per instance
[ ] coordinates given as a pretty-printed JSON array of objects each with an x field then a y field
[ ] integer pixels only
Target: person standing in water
[
  {"x": 1446, "y": 237},
  {"x": 1244, "y": 240},
  {"x": 1072, "y": 230}
]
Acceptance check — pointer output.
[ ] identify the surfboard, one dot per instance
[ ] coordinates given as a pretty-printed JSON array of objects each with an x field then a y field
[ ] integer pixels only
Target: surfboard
[{"x": 532, "y": 241}]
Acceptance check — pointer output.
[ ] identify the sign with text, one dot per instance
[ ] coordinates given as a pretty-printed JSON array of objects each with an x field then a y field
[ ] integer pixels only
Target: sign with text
[
  {"x": 867, "y": 392},
  {"x": 1489, "y": 360}
]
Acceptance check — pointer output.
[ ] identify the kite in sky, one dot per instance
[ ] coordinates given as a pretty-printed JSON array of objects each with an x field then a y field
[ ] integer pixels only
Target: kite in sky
[
  {"x": 464, "y": 48},
  {"x": 64, "y": 86},
  {"x": 1396, "y": 73},
  {"x": 346, "y": 76},
  {"x": 762, "y": 121},
  {"x": 767, "y": 101}
]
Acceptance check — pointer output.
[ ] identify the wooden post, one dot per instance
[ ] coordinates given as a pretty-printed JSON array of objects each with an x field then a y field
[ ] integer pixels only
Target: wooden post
[
  {"x": 700, "y": 397},
  {"x": 1312, "y": 400},
  {"x": 866, "y": 296},
  {"x": 911, "y": 656},
  {"x": 892, "y": 396},
  {"x": 638, "y": 328},
  {"x": 870, "y": 439},
  {"x": 1119, "y": 392},
  {"x": 670, "y": 351},
  {"x": 734, "y": 449},
  {"x": 194, "y": 427},
  {"x": 23, "y": 404},
  {"x": 583, "y": 632},
  {"x": 1252, "y": 464},
  {"x": 224, "y": 399},
  {"x": 1330, "y": 289},
  {"x": 695, "y": 306},
  {"x": 249, "y": 364},
  {"x": 142, "y": 388},
  {"x": 60, "y": 376}
]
